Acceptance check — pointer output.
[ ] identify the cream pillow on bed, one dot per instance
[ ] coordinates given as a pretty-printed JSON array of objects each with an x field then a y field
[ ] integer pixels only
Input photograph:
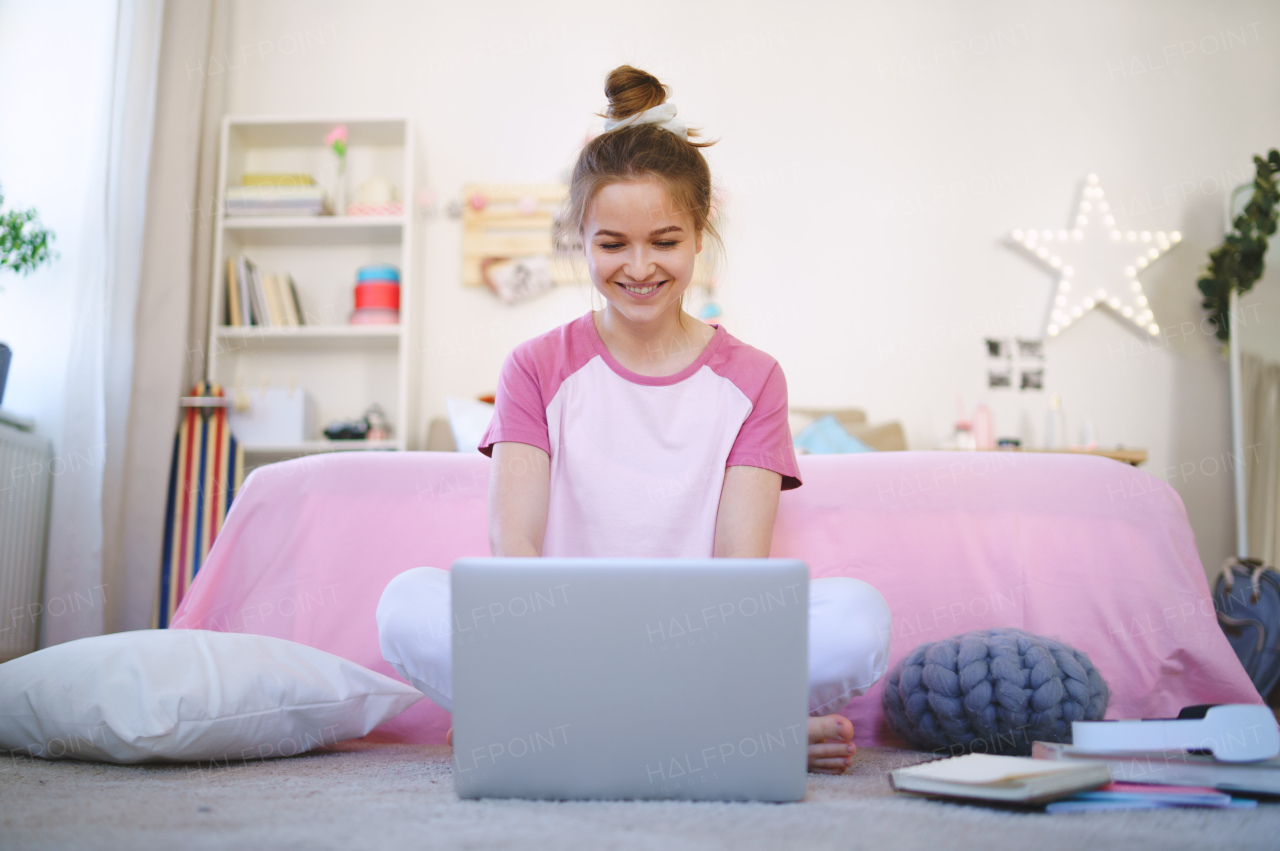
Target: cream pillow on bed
[{"x": 185, "y": 695}]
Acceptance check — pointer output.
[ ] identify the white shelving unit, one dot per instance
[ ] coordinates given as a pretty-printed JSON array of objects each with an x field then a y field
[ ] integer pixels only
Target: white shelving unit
[{"x": 344, "y": 368}]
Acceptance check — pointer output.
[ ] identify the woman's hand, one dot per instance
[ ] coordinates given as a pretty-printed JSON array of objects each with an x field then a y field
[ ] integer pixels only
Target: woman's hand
[
  {"x": 519, "y": 489},
  {"x": 748, "y": 507}
]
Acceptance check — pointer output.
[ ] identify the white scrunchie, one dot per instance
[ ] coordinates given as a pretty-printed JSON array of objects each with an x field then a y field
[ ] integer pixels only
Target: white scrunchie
[{"x": 663, "y": 115}]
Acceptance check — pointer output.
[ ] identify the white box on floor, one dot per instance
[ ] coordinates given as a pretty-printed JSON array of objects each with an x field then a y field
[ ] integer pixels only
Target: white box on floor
[{"x": 276, "y": 416}]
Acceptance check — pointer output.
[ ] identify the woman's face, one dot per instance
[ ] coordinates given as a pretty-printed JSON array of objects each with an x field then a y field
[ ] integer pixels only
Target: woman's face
[{"x": 640, "y": 249}]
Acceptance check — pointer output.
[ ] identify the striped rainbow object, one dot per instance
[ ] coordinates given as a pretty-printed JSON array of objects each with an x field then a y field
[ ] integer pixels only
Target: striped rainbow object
[{"x": 207, "y": 470}]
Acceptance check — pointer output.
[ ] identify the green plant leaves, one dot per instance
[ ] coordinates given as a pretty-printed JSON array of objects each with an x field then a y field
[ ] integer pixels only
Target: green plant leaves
[
  {"x": 24, "y": 243},
  {"x": 1239, "y": 262}
]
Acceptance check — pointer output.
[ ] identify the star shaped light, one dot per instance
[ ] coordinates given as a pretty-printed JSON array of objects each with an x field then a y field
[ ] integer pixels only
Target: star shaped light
[{"x": 1096, "y": 263}]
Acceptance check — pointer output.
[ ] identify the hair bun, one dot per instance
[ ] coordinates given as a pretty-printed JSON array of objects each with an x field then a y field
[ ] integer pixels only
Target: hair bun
[{"x": 632, "y": 91}]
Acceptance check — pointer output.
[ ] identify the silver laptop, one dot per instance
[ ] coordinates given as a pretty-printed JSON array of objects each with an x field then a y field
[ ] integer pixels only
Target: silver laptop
[{"x": 630, "y": 678}]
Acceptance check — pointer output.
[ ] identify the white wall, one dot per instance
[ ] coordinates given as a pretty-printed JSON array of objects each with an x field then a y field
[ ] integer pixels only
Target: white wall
[
  {"x": 1256, "y": 327},
  {"x": 874, "y": 155}
]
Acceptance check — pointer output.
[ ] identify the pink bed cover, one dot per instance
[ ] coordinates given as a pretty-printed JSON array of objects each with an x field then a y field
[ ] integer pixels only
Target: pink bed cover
[{"x": 1084, "y": 549}]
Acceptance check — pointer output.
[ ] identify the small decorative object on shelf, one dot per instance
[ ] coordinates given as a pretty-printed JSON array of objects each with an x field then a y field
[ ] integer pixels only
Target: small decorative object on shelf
[
  {"x": 337, "y": 139},
  {"x": 377, "y": 294},
  {"x": 372, "y": 426},
  {"x": 377, "y": 197},
  {"x": 379, "y": 428},
  {"x": 347, "y": 430}
]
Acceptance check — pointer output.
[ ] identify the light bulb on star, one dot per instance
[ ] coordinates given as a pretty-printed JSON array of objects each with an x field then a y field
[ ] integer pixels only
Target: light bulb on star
[{"x": 1107, "y": 257}]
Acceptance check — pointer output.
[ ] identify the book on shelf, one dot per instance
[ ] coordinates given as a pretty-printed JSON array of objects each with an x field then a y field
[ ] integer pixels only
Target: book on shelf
[
  {"x": 233, "y": 294},
  {"x": 1002, "y": 779},
  {"x": 243, "y": 283},
  {"x": 271, "y": 292},
  {"x": 255, "y": 297},
  {"x": 280, "y": 179},
  {"x": 291, "y": 306},
  {"x": 1172, "y": 768}
]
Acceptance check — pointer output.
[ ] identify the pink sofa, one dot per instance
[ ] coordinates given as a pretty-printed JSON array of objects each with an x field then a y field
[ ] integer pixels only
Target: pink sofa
[{"x": 1087, "y": 550}]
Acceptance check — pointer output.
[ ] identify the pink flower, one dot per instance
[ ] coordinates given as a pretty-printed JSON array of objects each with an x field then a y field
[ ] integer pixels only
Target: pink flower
[{"x": 337, "y": 139}]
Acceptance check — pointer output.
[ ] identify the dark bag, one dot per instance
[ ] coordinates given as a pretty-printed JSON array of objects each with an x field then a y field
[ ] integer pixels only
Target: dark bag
[{"x": 1247, "y": 597}]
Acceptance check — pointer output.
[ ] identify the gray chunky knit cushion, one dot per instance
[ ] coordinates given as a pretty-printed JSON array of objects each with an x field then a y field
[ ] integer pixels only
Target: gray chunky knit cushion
[{"x": 992, "y": 691}]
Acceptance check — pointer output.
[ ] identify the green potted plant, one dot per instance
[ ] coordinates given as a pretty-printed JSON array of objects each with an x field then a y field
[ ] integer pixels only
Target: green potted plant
[
  {"x": 24, "y": 246},
  {"x": 1238, "y": 262}
]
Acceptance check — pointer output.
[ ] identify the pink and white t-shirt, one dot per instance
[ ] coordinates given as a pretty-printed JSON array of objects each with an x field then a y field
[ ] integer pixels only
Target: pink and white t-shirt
[{"x": 637, "y": 461}]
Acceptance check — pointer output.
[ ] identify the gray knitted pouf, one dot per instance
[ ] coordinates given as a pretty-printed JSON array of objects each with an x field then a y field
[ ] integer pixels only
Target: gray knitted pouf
[{"x": 992, "y": 691}]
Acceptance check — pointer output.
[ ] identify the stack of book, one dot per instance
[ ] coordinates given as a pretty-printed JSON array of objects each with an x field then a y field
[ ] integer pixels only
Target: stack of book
[
  {"x": 1136, "y": 796},
  {"x": 1060, "y": 784},
  {"x": 1172, "y": 767},
  {"x": 260, "y": 298},
  {"x": 276, "y": 195}
]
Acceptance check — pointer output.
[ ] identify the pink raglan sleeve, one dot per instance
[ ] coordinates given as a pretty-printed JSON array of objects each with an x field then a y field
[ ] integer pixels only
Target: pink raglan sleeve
[
  {"x": 765, "y": 438},
  {"x": 519, "y": 415}
]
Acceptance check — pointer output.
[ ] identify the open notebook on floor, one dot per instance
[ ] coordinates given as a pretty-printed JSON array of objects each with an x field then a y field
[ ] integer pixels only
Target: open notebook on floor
[{"x": 1008, "y": 779}]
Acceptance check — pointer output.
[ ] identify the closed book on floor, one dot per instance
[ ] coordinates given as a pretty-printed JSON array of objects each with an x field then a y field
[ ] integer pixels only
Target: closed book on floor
[{"x": 1008, "y": 779}]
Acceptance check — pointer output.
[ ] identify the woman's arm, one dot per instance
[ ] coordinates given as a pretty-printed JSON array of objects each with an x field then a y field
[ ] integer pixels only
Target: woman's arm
[
  {"x": 748, "y": 507},
  {"x": 519, "y": 488}
]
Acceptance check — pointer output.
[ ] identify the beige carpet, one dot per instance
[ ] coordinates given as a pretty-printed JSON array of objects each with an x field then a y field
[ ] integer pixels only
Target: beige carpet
[{"x": 358, "y": 795}]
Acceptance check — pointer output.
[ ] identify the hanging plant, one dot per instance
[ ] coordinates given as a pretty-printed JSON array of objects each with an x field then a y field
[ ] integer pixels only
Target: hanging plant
[{"x": 1238, "y": 262}]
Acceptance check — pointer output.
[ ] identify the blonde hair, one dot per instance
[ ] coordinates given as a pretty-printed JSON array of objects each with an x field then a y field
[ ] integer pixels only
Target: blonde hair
[{"x": 639, "y": 151}]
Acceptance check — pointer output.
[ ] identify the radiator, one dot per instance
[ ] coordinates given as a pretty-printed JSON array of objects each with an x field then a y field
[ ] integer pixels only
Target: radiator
[{"x": 25, "y": 473}]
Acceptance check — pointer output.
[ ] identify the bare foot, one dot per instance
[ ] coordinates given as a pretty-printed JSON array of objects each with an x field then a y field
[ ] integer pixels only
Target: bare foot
[
  {"x": 831, "y": 746},
  {"x": 448, "y": 737}
]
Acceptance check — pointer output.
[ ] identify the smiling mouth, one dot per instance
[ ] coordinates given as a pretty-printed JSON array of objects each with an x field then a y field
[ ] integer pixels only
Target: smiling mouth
[{"x": 637, "y": 289}]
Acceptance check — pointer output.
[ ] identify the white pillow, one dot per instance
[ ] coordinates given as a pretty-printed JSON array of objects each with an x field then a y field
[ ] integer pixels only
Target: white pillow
[
  {"x": 468, "y": 420},
  {"x": 182, "y": 695}
]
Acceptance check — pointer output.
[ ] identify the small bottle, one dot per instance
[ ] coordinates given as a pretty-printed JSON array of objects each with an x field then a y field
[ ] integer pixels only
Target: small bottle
[
  {"x": 1055, "y": 426},
  {"x": 984, "y": 427},
  {"x": 964, "y": 436},
  {"x": 1088, "y": 435}
]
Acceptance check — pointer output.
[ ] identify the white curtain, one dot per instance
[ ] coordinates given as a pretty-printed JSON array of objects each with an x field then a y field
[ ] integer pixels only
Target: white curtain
[
  {"x": 172, "y": 305},
  {"x": 95, "y": 391},
  {"x": 1260, "y": 391}
]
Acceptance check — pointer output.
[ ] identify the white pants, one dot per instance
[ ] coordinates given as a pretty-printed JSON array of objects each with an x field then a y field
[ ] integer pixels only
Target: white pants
[{"x": 849, "y": 629}]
